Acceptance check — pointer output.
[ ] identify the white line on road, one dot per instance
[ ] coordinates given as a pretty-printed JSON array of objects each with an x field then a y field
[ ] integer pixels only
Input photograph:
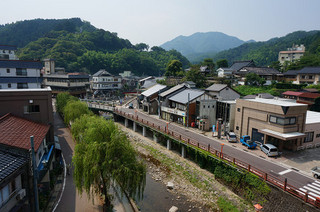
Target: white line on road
[
  {"x": 285, "y": 172},
  {"x": 64, "y": 183},
  {"x": 310, "y": 189}
]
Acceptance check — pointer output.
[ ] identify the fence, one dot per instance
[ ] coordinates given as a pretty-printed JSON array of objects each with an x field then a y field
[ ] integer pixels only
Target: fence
[{"x": 305, "y": 196}]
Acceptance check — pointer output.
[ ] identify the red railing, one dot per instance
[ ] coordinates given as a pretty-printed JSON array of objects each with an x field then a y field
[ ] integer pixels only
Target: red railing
[{"x": 309, "y": 198}]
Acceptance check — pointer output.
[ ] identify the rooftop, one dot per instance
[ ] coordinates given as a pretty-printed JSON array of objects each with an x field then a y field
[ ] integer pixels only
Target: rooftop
[
  {"x": 216, "y": 87},
  {"x": 309, "y": 70},
  {"x": 102, "y": 73},
  {"x": 27, "y": 90},
  {"x": 154, "y": 89},
  {"x": 182, "y": 97},
  {"x": 275, "y": 102},
  {"x": 259, "y": 70},
  {"x": 312, "y": 117},
  {"x": 309, "y": 95},
  {"x": 292, "y": 93},
  {"x": 16, "y": 132},
  {"x": 20, "y": 64},
  {"x": 171, "y": 90},
  {"x": 8, "y": 47},
  {"x": 237, "y": 65},
  {"x": 9, "y": 163}
]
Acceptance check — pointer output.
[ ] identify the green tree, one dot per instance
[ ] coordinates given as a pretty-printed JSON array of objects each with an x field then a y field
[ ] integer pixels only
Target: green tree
[
  {"x": 62, "y": 100},
  {"x": 142, "y": 47},
  {"x": 195, "y": 76},
  {"x": 254, "y": 79},
  {"x": 223, "y": 63},
  {"x": 174, "y": 68},
  {"x": 316, "y": 105},
  {"x": 103, "y": 158},
  {"x": 73, "y": 110},
  {"x": 208, "y": 62}
]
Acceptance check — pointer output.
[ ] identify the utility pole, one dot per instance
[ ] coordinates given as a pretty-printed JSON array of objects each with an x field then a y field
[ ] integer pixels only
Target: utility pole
[
  {"x": 35, "y": 176},
  {"x": 188, "y": 109}
]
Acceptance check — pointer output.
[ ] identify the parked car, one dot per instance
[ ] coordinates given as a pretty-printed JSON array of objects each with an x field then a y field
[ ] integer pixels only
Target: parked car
[
  {"x": 269, "y": 149},
  {"x": 316, "y": 172},
  {"x": 245, "y": 140},
  {"x": 231, "y": 137},
  {"x": 131, "y": 106}
]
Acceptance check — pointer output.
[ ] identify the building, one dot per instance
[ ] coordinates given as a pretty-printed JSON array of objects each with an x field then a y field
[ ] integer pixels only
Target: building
[
  {"x": 184, "y": 107},
  {"x": 225, "y": 72},
  {"x": 292, "y": 54},
  {"x": 309, "y": 75},
  {"x": 222, "y": 92},
  {"x": 14, "y": 185},
  {"x": 31, "y": 104},
  {"x": 281, "y": 123},
  {"x": 312, "y": 130},
  {"x": 149, "y": 101},
  {"x": 234, "y": 68},
  {"x": 269, "y": 74},
  {"x": 103, "y": 81},
  {"x": 290, "y": 76},
  {"x": 20, "y": 74},
  {"x": 205, "y": 70},
  {"x": 8, "y": 52}
]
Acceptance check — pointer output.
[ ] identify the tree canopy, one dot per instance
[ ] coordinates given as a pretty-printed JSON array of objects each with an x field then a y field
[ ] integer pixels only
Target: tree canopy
[
  {"x": 73, "y": 110},
  {"x": 174, "y": 68},
  {"x": 194, "y": 75},
  {"x": 254, "y": 79},
  {"x": 62, "y": 100}
]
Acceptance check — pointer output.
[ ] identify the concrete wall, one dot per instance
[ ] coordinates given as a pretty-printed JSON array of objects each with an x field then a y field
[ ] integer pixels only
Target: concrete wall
[{"x": 315, "y": 128}]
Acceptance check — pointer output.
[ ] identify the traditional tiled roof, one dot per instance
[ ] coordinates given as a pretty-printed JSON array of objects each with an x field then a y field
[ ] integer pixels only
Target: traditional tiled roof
[
  {"x": 291, "y": 93},
  {"x": 8, "y": 47},
  {"x": 309, "y": 70},
  {"x": 16, "y": 132},
  {"x": 20, "y": 64},
  {"x": 290, "y": 73},
  {"x": 237, "y": 65},
  {"x": 9, "y": 163},
  {"x": 259, "y": 70},
  {"x": 309, "y": 95},
  {"x": 102, "y": 73},
  {"x": 171, "y": 90},
  {"x": 216, "y": 87}
]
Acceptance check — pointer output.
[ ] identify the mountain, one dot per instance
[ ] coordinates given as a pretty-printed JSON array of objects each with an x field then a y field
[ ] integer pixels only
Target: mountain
[
  {"x": 77, "y": 46},
  {"x": 23, "y": 32},
  {"x": 201, "y": 44},
  {"x": 264, "y": 53}
]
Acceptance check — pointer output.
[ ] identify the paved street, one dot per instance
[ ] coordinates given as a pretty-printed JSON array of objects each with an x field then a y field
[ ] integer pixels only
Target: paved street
[{"x": 272, "y": 168}]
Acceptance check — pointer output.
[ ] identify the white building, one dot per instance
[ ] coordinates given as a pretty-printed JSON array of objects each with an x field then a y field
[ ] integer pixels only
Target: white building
[
  {"x": 20, "y": 74},
  {"x": 104, "y": 81},
  {"x": 8, "y": 52}
]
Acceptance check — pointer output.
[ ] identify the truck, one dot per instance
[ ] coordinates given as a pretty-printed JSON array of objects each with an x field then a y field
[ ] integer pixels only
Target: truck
[
  {"x": 316, "y": 172},
  {"x": 245, "y": 140}
]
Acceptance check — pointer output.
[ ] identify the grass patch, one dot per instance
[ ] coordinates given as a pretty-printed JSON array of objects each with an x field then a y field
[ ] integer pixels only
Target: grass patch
[{"x": 225, "y": 205}]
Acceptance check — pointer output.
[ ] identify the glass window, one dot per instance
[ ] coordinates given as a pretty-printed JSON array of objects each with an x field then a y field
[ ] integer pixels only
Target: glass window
[
  {"x": 5, "y": 193},
  {"x": 9, "y": 85},
  {"x": 293, "y": 120},
  {"x": 238, "y": 109},
  {"x": 273, "y": 119},
  {"x": 8, "y": 70},
  {"x": 280, "y": 121},
  {"x": 31, "y": 109},
  {"x": 309, "y": 137}
]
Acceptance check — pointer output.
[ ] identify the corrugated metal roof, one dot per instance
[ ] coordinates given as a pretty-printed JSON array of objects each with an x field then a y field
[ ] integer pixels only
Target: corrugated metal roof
[
  {"x": 182, "y": 97},
  {"x": 292, "y": 93},
  {"x": 20, "y": 64},
  {"x": 154, "y": 89},
  {"x": 171, "y": 90},
  {"x": 9, "y": 163}
]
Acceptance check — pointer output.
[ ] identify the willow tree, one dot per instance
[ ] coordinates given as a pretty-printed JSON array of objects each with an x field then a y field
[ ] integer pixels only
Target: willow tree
[
  {"x": 74, "y": 109},
  {"x": 103, "y": 157}
]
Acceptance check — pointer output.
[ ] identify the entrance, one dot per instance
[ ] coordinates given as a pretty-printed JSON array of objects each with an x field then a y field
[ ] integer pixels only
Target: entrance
[{"x": 257, "y": 136}]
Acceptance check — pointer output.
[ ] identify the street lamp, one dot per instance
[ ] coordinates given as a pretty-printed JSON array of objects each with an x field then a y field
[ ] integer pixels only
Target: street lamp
[{"x": 221, "y": 153}]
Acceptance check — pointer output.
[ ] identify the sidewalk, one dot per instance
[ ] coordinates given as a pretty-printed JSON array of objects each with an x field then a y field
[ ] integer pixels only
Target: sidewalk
[{"x": 56, "y": 193}]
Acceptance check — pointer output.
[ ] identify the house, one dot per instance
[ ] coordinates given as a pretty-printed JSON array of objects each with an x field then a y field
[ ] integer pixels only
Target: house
[
  {"x": 292, "y": 54},
  {"x": 205, "y": 70},
  {"x": 32, "y": 104},
  {"x": 184, "y": 107},
  {"x": 164, "y": 96},
  {"x": 20, "y": 74},
  {"x": 281, "y": 123},
  {"x": 309, "y": 75},
  {"x": 14, "y": 185},
  {"x": 291, "y": 94},
  {"x": 307, "y": 98},
  {"x": 103, "y": 81},
  {"x": 235, "y": 67},
  {"x": 147, "y": 82},
  {"x": 225, "y": 72},
  {"x": 312, "y": 130},
  {"x": 149, "y": 101},
  {"x": 15, "y": 133},
  {"x": 8, "y": 52},
  {"x": 222, "y": 92},
  {"x": 269, "y": 74},
  {"x": 290, "y": 76}
]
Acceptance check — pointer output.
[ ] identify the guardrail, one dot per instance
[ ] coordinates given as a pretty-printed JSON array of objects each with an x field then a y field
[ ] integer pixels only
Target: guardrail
[{"x": 305, "y": 196}]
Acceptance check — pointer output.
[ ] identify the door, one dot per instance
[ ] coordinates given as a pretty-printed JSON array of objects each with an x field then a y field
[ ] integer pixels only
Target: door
[{"x": 257, "y": 136}]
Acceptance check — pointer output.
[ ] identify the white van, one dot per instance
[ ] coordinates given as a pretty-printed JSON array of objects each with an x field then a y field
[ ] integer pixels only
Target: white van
[{"x": 269, "y": 149}]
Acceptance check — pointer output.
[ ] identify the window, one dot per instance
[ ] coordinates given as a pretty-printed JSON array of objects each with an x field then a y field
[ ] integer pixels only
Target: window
[
  {"x": 238, "y": 109},
  {"x": 8, "y": 70},
  {"x": 204, "y": 106},
  {"x": 9, "y": 85},
  {"x": 303, "y": 76},
  {"x": 4, "y": 194},
  {"x": 310, "y": 77},
  {"x": 208, "y": 106},
  {"x": 31, "y": 109},
  {"x": 22, "y": 85},
  {"x": 282, "y": 121},
  {"x": 21, "y": 72},
  {"x": 237, "y": 127},
  {"x": 309, "y": 137},
  {"x": 318, "y": 135}
]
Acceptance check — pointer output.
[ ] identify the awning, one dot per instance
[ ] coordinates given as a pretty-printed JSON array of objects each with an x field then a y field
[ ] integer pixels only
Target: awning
[{"x": 283, "y": 136}]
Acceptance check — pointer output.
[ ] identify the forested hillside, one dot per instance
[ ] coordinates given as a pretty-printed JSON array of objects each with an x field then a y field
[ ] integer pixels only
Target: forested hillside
[
  {"x": 264, "y": 53},
  {"x": 76, "y": 45}
]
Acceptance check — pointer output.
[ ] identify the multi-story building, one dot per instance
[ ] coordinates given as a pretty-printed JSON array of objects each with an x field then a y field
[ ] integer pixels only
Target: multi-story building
[
  {"x": 20, "y": 74},
  {"x": 103, "y": 81},
  {"x": 309, "y": 75},
  {"x": 292, "y": 54},
  {"x": 76, "y": 84},
  {"x": 8, "y": 52},
  {"x": 281, "y": 123}
]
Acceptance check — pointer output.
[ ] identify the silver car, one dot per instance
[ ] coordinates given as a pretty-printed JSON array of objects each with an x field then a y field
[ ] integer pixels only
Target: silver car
[
  {"x": 269, "y": 149},
  {"x": 231, "y": 137}
]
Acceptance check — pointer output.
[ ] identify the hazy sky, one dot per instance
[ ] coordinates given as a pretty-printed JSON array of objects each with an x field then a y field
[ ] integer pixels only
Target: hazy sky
[{"x": 155, "y": 22}]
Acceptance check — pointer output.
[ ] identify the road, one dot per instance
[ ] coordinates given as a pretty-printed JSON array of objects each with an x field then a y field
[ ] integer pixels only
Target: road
[{"x": 294, "y": 178}]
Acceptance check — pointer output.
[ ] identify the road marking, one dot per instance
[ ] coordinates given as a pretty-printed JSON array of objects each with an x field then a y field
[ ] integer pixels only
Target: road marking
[
  {"x": 285, "y": 172},
  {"x": 305, "y": 191},
  {"x": 317, "y": 182},
  {"x": 64, "y": 184}
]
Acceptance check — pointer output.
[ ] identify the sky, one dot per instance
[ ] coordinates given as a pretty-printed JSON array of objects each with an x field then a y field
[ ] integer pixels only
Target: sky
[{"x": 155, "y": 22}]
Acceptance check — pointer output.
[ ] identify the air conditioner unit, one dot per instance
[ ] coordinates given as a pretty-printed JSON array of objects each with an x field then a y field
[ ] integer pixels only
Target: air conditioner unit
[{"x": 21, "y": 194}]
